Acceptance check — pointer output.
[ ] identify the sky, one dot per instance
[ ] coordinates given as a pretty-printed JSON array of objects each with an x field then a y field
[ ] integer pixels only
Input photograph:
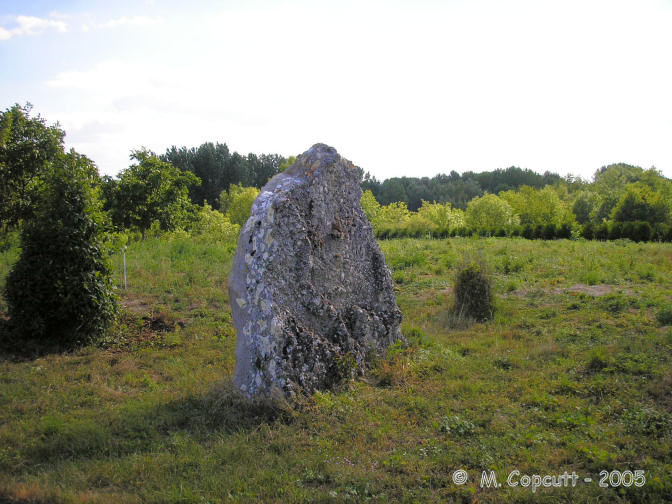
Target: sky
[{"x": 401, "y": 88}]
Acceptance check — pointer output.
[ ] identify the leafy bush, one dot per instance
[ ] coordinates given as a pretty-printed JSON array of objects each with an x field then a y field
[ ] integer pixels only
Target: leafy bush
[
  {"x": 60, "y": 292},
  {"x": 601, "y": 232},
  {"x": 661, "y": 232},
  {"x": 473, "y": 293},
  {"x": 442, "y": 217},
  {"x": 528, "y": 232},
  {"x": 211, "y": 225},
  {"x": 236, "y": 204},
  {"x": 564, "y": 231},
  {"x": 615, "y": 230},
  {"x": 548, "y": 232},
  {"x": 588, "y": 231},
  {"x": 664, "y": 317},
  {"x": 391, "y": 220},
  {"x": 641, "y": 231},
  {"x": 489, "y": 211}
]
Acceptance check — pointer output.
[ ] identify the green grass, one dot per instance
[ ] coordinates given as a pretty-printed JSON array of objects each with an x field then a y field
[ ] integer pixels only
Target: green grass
[{"x": 573, "y": 373}]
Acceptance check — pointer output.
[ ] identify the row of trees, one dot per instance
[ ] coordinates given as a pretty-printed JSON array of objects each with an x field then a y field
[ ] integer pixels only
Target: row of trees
[
  {"x": 218, "y": 169},
  {"x": 454, "y": 188},
  {"x": 621, "y": 197}
]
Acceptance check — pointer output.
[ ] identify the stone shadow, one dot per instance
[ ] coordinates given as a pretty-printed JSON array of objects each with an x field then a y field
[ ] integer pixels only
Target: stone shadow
[{"x": 150, "y": 428}]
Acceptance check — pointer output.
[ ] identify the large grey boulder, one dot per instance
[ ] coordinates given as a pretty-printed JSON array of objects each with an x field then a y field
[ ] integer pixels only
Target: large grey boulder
[{"x": 311, "y": 296}]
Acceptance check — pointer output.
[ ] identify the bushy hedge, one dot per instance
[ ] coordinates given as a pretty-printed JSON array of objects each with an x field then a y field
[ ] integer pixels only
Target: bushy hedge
[{"x": 639, "y": 231}]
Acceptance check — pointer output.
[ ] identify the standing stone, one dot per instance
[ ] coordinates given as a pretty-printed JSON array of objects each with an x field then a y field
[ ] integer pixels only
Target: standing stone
[{"x": 311, "y": 295}]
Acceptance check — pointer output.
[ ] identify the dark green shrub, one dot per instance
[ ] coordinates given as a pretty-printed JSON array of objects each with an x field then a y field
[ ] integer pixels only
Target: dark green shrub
[
  {"x": 627, "y": 229},
  {"x": 528, "y": 232},
  {"x": 615, "y": 230},
  {"x": 59, "y": 292},
  {"x": 664, "y": 316},
  {"x": 602, "y": 232},
  {"x": 548, "y": 232},
  {"x": 564, "y": 231},
  {"x": 641, "y": 231},
  {"x": 588, "y": 231},
  {"x": 668, "y": 234},
  {"x": 8, "y": 240},
  {"x": 473, "y": 293},
  {"x": 660, "y": 232}
]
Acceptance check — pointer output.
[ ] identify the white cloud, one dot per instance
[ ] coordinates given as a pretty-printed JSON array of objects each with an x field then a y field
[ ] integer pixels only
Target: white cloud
[
  {"x": 30, "y": 25},
  {"x": 134, "y": 21}
]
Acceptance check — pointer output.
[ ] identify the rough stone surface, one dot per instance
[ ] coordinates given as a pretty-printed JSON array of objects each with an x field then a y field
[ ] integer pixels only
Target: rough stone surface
[{"x": 311, "y": 295}]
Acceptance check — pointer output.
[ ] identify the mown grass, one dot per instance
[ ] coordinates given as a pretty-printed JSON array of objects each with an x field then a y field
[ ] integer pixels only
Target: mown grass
[{"x": 573, "y": 373}]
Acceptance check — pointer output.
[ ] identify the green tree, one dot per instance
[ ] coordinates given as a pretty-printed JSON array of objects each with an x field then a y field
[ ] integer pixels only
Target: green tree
[
  {"x": 370, "y": 205},
  {"x": 236, "y": 203},
  {"x": 489, "y": 212},
  {"x": 392, "y": 219},
  {"x": 287, "y": 163},
  {"x": 538, "y": 207},
  {"x": 151, "y": 190},
  {"x": 28, "y": 146},
  {"x": 641, "y": 203},
  {"x": 584, "y": 206},
  {"x": 441, "y": 216},
  {"x": 610, "y": 182},
  {"x": 60, "y": 291}
]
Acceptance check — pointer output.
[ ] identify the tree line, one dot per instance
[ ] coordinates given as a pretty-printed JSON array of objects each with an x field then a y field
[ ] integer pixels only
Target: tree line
[
  {"x": 456, "y": 189},
  {"x": 622, "y": 201}
]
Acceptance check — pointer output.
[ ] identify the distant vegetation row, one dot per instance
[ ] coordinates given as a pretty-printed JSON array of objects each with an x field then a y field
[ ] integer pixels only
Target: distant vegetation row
[
  {"x": 638, "y": 231},
  {"x": 636, "y": 206},
  {"x": 198, "y": 190}
]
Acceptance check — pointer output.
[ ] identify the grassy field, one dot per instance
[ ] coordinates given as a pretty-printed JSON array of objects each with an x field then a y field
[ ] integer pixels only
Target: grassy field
[{"x": 573, "y": 374}]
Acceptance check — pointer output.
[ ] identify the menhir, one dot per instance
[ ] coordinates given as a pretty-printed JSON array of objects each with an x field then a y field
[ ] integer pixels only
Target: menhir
[{"x": 312, "y": 298}]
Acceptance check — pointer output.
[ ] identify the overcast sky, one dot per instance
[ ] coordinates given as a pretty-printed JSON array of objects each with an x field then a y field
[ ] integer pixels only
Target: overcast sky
[{"x": 399, "y": 87}]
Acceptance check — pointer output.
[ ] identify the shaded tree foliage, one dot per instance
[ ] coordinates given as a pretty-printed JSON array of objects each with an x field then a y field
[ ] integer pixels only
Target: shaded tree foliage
[
  {"x": 641, "y": 203},
  {"x": 218, "y": 168},
  {"x": 28, "y": 147},
  {"x": 150, "y": 190}
]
